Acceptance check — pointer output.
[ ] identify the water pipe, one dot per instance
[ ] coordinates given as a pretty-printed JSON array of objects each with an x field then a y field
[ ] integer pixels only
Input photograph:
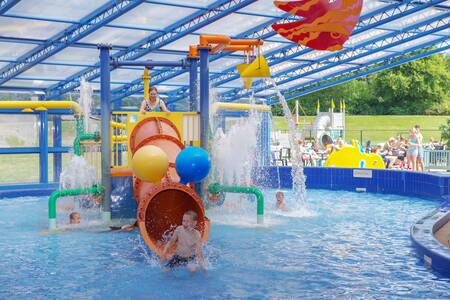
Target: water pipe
[
  {"x": 239, "y": 106},
  {"x": 93, "y": 190},
  {"x": 82, "y": 136},
  {"x": 74, "y": 106},
  {"x": 216, "y": 188}
]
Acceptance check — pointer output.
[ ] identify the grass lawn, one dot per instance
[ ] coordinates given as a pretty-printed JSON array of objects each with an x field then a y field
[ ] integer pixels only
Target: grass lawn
[{"x": 379, "y": 128}]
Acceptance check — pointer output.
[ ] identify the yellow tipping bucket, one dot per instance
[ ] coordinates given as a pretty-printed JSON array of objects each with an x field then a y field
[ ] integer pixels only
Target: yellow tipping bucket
[
  {"x": 257, "y": 69},
  {"x": 247, "y": 81}
]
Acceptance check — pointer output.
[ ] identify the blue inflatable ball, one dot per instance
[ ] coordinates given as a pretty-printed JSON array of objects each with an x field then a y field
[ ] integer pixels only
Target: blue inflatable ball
[{"x": 192, "y": 164}]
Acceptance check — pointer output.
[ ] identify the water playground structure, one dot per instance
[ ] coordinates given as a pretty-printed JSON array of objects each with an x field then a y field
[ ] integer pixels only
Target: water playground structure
[
  {"x": 152, "y": 167},
  {"x": 158, "y": 152}
]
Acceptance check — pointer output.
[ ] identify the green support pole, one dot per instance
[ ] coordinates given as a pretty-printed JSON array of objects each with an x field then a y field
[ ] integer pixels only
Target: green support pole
[
  {"x": 216, "y": 188},
  {"x": 93, "y": 190}
]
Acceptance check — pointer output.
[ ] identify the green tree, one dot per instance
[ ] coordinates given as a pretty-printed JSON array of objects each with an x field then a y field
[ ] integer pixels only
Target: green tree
[
  {"x": 419, "y": 87},
  {"x": 445, "y": 133}
]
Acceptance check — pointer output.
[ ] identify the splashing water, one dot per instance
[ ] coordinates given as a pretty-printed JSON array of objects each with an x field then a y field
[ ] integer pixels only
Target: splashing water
[
  {"x": 233, "y": 152},
  {"x": 77, "y": 175},
  {"x": 298, "y": 178},
  {"x": 86, "y": 101}
]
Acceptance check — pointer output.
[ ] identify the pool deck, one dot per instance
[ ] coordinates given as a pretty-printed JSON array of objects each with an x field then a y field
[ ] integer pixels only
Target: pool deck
[
  {"x": 443, "y": 234},
  {"x": 431, "y": 247}
]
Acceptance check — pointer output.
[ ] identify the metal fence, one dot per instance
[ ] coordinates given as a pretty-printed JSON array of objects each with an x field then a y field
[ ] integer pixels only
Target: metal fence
[
  {"x": 376, "y": 136},
  {"x": 436, "y": 159}
]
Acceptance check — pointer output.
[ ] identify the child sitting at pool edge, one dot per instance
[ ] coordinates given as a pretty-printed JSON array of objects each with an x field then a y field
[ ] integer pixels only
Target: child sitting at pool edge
[{"x": 188, "y": 242}]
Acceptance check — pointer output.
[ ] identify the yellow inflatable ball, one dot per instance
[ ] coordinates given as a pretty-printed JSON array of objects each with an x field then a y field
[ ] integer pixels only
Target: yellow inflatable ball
[{"x": 150, "y": 163}]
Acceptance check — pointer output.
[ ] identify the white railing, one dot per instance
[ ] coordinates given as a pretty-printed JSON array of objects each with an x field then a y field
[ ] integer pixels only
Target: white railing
[{"x": 437, "y": 159}]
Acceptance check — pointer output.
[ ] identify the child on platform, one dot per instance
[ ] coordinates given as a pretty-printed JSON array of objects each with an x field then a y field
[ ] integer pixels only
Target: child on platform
[{"x": 189, "y": 244}]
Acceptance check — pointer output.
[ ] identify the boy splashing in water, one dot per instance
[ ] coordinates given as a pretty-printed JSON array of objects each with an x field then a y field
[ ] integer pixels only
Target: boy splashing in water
[{"x": 189, "y": 244}]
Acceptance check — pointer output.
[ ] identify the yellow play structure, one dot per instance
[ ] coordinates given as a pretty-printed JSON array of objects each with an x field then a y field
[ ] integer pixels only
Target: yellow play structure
[{"x": 353, "y": 157}]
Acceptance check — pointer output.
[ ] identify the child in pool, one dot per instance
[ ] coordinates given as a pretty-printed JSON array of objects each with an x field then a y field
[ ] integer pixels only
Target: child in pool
[
  {"x": 189, "y": 244},
  {"x": 281, "y": 203},
  {"x": 74, "y": 218}
]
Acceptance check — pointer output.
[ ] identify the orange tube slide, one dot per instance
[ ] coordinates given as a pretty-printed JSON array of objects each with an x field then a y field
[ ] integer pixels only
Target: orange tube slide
[{"x": 161, "y": 206}]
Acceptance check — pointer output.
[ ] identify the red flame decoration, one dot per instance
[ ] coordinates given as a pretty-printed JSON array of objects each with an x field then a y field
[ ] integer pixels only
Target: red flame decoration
[{"x": 327, "y": 24}]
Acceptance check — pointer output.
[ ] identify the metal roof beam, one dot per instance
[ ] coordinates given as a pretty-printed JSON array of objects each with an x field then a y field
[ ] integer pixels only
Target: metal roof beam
[
  {"x": 6, "y": 5},
  {"x": 391, "y": 61},
  {"x": 366, "y": 48},
  {"x": 204, "y": 8},
  {"x": 368, "y": 21},
  {"x": 6, "y": 39},
  {"x": 21, "y": 89},
  {"x": 281, "y": 55},
  {"x": 173, "y": 32},
  {"x": 261, "y": 31},
  {"x": 65, "y": 21},
  {"x": 88, "y": 24}
]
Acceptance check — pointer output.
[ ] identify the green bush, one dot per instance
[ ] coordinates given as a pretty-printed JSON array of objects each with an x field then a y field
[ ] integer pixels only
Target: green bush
[{"x": 445, "y": 133}]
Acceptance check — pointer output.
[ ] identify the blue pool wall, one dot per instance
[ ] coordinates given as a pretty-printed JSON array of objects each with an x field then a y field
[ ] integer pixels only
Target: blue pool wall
[{"x": 414, "y": 184}]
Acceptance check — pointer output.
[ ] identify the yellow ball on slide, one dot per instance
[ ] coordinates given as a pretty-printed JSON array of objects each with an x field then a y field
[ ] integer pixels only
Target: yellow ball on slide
[{"x": 150, "y": 163}]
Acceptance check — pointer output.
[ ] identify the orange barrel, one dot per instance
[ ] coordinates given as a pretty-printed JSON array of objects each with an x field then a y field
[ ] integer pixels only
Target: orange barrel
[{"x": 161, "y": 210}]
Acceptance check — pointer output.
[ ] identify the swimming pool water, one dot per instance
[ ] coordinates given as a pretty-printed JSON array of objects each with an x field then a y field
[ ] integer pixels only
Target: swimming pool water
[{"x": 352, "y": 246}]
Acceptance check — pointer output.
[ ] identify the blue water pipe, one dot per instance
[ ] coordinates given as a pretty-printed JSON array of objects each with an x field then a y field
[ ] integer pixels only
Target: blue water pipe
[
  {"x": 204, "y": 96},
  {"x": 193, "y": 83},
  {"x": 43, "y": 146},
  {"x": 105, "y": 106}
]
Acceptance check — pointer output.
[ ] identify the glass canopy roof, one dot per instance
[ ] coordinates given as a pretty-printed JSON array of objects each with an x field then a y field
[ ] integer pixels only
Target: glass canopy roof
[{"x": 387, "y": 30}]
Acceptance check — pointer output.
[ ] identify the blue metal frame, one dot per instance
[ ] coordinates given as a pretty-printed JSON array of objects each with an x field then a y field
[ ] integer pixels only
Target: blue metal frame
[
  {"x": 391, "y": 11},
  {"x": 87, "y": 25},
  {"x": 105, "y": 106},
  {"x": 57, "y": 142},
  {"x": 34, "y": 150},
  {"x": 262, "y": 31},
  {"x": 442, "y": 44},
  {"x": 43, "y": 147},
  {"x": 6, "y": 5},
  {"x": 377, "y": 18},
  {"x": 171, "y": 33},
  {"x": 204, "y": 96},
  {"x": 380, "y": 43},
  {"x": 368, "y": 21},
  {"x": 193, "y": 83}
]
